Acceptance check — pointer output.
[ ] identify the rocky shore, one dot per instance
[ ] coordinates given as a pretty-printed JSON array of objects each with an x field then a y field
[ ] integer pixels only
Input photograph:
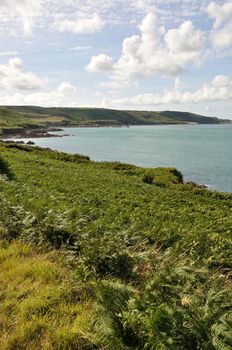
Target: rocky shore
[{"x": 30, "y": 133}]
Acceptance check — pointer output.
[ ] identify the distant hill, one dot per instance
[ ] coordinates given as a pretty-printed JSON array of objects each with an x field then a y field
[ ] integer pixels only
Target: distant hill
[{"x": 29, "y": 117}]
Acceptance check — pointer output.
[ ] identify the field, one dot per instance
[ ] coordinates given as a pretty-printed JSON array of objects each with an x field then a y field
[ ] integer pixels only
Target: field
[{"x": 110, "y": 256}]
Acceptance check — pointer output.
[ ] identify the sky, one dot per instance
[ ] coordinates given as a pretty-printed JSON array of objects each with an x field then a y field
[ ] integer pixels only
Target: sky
[{"x": 120, "y": 54}]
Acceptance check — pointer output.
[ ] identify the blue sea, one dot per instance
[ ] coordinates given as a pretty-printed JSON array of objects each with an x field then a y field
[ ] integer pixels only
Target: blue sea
[{"x": 203, "y": 153}]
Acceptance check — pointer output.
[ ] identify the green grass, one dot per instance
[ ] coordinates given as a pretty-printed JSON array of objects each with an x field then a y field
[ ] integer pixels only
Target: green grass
[
  {"x": 110, "y": 255},
  {"x": 11, "y": 119},
  {"x": 43, "y": 306}
]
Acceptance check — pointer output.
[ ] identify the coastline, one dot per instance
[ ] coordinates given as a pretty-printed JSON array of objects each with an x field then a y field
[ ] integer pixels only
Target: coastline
[
  {"x": 90, "y": 141},
  {"x": 19, "y": 133},
  {"x": 47, "y": 132},
  {"x": 21, "y": 145}
]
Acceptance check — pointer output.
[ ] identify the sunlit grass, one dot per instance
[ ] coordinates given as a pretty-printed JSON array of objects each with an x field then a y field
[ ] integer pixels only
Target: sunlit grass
[{"x": 42, "y": 304}]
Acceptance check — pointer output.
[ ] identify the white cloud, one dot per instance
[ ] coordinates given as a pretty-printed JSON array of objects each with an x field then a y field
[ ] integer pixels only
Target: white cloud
[
  {"x": 220, "y": 14},
  {"x": 26, "y": 10},
  {"x": 221, "y": 35},
  {"x": 222, "y": 38},
  {"x": 220, "y": 89},
  {"x": 41, "y": 13},
  {"x": 8, "y": 53},
  {"x": 221, "y": 81},
  {"x": 114, "y": 84},
  {"x": 145, "y": 5},
  {"x": 62, "y": 96},
  {"x": 99, "y": 63},
  {"x": 165, "y": 45},
  {"x": 144, "y": 55},
  {"x": 185, "y": 43},
  {"x": 66, "y": 88},
  {"x": 79, "y": 48},
  {"x": 153, "y": 52},
  {"x": 12, "y": 77},
  {"x": 80, "y": 25}
]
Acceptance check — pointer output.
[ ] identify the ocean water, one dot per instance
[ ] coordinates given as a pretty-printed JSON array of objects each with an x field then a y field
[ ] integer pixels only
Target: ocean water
[{"x": 203, "y": 153}]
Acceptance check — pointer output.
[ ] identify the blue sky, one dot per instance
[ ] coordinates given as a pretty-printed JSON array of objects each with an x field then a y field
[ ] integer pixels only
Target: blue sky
[{"x": 125, "y": 54}]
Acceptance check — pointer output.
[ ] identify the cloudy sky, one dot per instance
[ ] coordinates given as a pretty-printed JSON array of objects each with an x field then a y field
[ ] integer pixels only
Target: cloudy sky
[{"x": 125, "y": 54}]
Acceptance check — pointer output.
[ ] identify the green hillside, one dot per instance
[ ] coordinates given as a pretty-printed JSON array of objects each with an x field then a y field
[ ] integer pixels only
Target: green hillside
[
  {"x": 110, "y": 256},
  {"x": 10, "y": 118},
  {"x": 36, "y": 117}
]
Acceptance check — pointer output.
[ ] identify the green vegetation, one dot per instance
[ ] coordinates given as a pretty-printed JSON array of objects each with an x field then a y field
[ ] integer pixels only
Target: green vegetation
[
  {"x": 16, "y": 119},
  {"x": 11, "y": 119},
  {"x": 110, "y": 256}
]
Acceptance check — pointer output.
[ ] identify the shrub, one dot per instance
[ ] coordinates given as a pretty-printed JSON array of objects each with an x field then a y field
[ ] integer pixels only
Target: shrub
[
  {"x": 118, "y": 265},
  {"x": 178, "y": 175},
  {"x": 5, "y": 170},
  {"x": 148, "y": 178},
  {"x": 58, "y": 236}
]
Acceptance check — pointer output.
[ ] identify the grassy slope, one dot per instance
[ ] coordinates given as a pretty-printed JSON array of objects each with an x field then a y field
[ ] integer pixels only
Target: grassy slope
[
  {"x": 11, "y": 119},
  {"x": 42, "y": 306},
  {"x": 14, "y": 117},
  {"x": 112, "y": 261}
]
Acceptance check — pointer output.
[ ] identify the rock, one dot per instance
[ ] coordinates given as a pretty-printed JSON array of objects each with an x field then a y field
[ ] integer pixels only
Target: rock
[{"x": 194, "y": 184}]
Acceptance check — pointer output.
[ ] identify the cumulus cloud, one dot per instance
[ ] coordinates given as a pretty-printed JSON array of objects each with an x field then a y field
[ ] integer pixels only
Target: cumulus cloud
[
  {"x": 145, "y": 54},
  {"x": 221, "y": 81},
  {"x": 223, "y": 38},
  {"x": 66, "y": 88},
  {"x": 220, "y": 13},
  {"x": 100, "y": 63},
  {"x": 219, "y": 89},
  {"x": 185, "y": 43},
  {"x": 26, "y": 10},
  {"x": 62, "y": 96},
  {"x": 80, "y": 25},
  {"x": 13, "y": 77},
  {"x": 221, "y": 35},
  {"x": 156, "y": 51}
]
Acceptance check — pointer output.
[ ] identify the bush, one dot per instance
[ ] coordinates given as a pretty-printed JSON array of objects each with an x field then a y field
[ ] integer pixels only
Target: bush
[
  {"x": 148, "y": 179},
  {"x": 118, "y": 265},
  {"x": 58, "y": 236},
  {"x": 5, "y": 170},
  {"x": 178, "y": 175}
]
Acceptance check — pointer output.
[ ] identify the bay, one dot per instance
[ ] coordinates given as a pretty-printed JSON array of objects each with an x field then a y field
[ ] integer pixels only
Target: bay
[{"x": 203, "y": 153}]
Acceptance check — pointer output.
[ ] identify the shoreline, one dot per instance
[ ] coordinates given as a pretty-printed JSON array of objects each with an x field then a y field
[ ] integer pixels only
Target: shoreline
[
  {"x": 28, "y": 133},
  {"x": 186, "y": 179},
  {"x": 30, "y": 143}
]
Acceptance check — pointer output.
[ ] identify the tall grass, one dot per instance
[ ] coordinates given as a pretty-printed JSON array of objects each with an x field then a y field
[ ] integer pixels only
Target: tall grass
[{"x": 94, "y": 256}]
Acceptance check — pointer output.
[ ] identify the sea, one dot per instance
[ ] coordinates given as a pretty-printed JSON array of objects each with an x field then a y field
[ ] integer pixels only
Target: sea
[{"x": 203, "y": 153}]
